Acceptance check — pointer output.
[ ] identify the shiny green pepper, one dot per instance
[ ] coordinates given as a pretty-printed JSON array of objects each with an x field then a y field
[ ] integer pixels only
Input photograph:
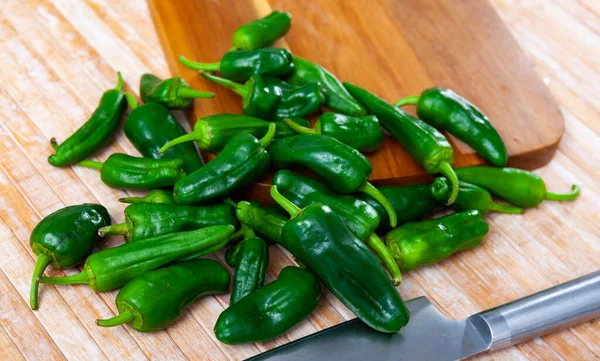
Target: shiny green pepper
[
  {"x": 264, "y": 221},
  {"x": 173, "y": 93},
  {"x": 263, "y": 32},
  {"x": 250, "y": 259},
  {"x": 297, "y": 101},
  {"x": 158, "y": 196}
]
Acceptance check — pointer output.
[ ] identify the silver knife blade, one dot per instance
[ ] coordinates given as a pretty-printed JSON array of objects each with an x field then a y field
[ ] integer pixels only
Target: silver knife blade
[{"x": 428, "y": 336}]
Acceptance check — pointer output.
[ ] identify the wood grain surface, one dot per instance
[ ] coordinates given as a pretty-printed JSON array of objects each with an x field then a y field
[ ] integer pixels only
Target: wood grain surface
[{"x": 58, "y": 56}]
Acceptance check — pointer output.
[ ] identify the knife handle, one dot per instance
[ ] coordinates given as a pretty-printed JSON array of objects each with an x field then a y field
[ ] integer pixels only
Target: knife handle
[{"x": 565, "y": 305}]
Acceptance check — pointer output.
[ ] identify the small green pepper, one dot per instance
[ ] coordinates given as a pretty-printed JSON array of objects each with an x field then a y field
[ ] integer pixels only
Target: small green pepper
[
  {"x": 241, "y": 65},
  {"x": 155, "y": 299},
  {"x": 342, "y": 167},
  {"x": 128, "y": 172},
  {"x": 63, "y": 239},
  {"x": 433, "y": 240},
  {"x": 173, "y": 93},
  {"x": 444, "y": 109},
  {"x": 320, "y": 239},
  {"x": 264, "y": 221},
  {"x": 250, "y": 259},
  {"x": 112, "y": 268},
  {"x": 470, "y": 196},
  {"x": 242, "y": 161},
  {"x": 361, "y": 133},
  {"x": 338, "y": 98},
  {"x": 158, "y": 196},
  {"x": 297, "y": 101},
  {"x": 145, "y": 220},
  {"x": 263, "y": 32},
  {"x": 519, "y": 187},
  {"x": 95, "y": 133},
  {"x": 271, "y": 310},
  {"x": 426, "y": 144}
]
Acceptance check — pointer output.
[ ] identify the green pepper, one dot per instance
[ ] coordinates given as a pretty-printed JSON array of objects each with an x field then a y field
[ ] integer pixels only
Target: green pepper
[
  {"x": 173, "y": 93},
  {"x": 241, "y": 65},
  {"x": 338, "y": 98},
  {"x": 360, "y": 217},
  {"x": 128, "y": 172},
  {"x": 519, "y": 187},
  {"x": 63, "y": 239},
  {"x": 242, "y": 161},
  {"x": 155, "y": 299},
  {"x": 297, "y": 101},
  {"x": 320, "y": 239},
  {"x": 145, "y": 220},
  {"x": 264, "y": 221},
  {"x": 444, "y": 109},
  {"x": 426, "y": 144},
  {"x": 151, "y": 126},
  {"x": 470, "y": 196},
  {"x": 250, "y": 259},
  {"x": 95, "y": 133},
  {"x": 433, "y": 240},
  {"x": 342, "y": 167},
  {"x": 158, "y": 196},
  {"x": 271, "y": 310},
  {"x": 361, "y": 133},
  {"x": 112, "y": 268},
  {"x": 263, "y": 32}
]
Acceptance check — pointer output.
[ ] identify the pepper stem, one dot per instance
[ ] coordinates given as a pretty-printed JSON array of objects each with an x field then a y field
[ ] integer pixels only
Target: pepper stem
[
  {"x": 446, "y": 169},
  {"x": 77, "y": 279},
  {"x": 411, "y": 100},
  {"x": 551, "y": 196},
  {"x": 439, "y": 189},
  {"x": 377, "y": 245},
  {"x": 285, "y": 203},
  {"x": 120, "y": 81},
  {"x": 369, "y": 189},
  {"x": 237, "y": 88},
  {"x": 54, "y": 143},
  {"x": 268, "y": 138},
  {"x": 505, "y": 208},
  {"x": 40, "y": 265},
  {"x": 189, "y": 137},
  {"x": 90, "y": 164},
  {"x": 199, "y": 66},
  {"x": 119, "y": 319},
  {"x": 244, "y": 232},
  {"x": 298, "y": 128},
  {"x": 188, "y": 93},
  {"x": 114, "y": 230},
  {"x": 131, "y": 100}
]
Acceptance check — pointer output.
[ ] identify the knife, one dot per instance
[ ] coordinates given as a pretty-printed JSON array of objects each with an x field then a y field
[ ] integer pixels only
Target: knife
[{"x": 429, "y": 336}]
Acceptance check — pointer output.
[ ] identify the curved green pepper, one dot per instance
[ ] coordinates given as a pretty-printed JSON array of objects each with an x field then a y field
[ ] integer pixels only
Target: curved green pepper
[
  {"x": 342, "y": 167},
  {"x": 426, "y": 144},
  {"x": 112, "y": 268},
  {"x": 470, "y": 196},
  {"x": 63, "y": 239},
  {"x": 154, "y": 300},
  {"x": 320, "y": 239},
  {"x": 242, "y": 161},
  {"x": 128, "y": 172},
  {"x": 250, "y": 259},
  {"x": 338, "y": 98},
  {"x": 519, "y": 187},
  {"x": 145, "y": 220},
  {"x": 264, "y": 221},
  {"x": 95, "y": 133},
  {"x": 173, "y": 93},
  {"x": 241, "y": 65},
  {"x": 158, "y": 196},
  {"x": 151, "y": 126},
  {"x": 430, "y": 241},
  {"x": 444, "y": 109},
  {"x": 361, "y": 133},
  {"x": 271, "y": 310},
  {"x": 263, "y": 32}
]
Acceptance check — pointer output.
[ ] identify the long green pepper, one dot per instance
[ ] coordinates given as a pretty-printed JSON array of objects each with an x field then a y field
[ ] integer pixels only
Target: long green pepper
[
  {"x": 250, "y": 259},
  {"x": 262, "y": 32},
  {"x": 156, "y": 196}
]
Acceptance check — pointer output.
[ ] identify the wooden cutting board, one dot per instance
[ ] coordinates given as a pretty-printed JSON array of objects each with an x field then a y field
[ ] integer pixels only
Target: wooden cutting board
[{"x": 393, "y": 48}]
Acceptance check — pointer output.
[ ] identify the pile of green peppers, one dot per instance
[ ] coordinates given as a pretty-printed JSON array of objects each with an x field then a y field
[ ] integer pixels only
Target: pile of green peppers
[{"x": 345, "y": 234}]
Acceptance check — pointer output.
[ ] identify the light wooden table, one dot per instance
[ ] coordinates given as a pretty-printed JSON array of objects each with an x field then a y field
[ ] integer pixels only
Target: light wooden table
[{"x": 58, "y": 56}]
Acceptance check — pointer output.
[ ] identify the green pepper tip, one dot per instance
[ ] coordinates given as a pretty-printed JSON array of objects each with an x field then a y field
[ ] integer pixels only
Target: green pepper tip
[
  {"x": 189, "y": 137},
  {"x": 114, "y": 230},
  {"x": 298, "y": 128},
  {"x": 120, "y": 81},
  {"x": 268, "y": 137},
  {"x": 199, "y": 66},
  {"x": 131, "y": 100},
  {"x": 446, "y": 169},
  {"x": 572, "y": 195},
  {"x": 40, "y": 265},
  {"x": 410, "y": 100},
  {"x": 120, "y": 319},
  {"x": 377, "y": 245},
  {"x": 285, "y": 203},
  {"x": 369, "y": 189}
]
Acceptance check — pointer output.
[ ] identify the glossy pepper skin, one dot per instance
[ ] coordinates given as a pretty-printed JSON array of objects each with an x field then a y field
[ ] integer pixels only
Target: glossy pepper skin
[
  {"x": 155, "y": 299},
  {"x": 63, "y": 239},
  {"x": 157, "y": 196},
  {"x": 145, "y": 220},
  {"x": 243, "y": 160},
  {"x": 95, "y": 133},
  {"x": 338, "y": 98},
  {"x": 444, "y": 109},
  {"x": 361, "y": 133},
  {"x": 470, "y": 196},
  {"x": 242, "y": 64},
  {"x": 297, "y": 101},
  {"x": 112, "y": 268},
  {"x": 263, "y": 220},
  {"x": 128, "y": 172},
  {"x": 519, "y": 187},
  {"x": 430, "y": 241},
  {"x": 173, "y": 93},
  {"x": 151, "y": 126},
  {"x": 263, "y": 32},
  {"x": 250, "y": 259},
  {"x": 342, "y": 167},
  {"x": 271, "y": 310},
  {"x": 426, "y": 144},
  {"x": 320, "y": 239}
]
